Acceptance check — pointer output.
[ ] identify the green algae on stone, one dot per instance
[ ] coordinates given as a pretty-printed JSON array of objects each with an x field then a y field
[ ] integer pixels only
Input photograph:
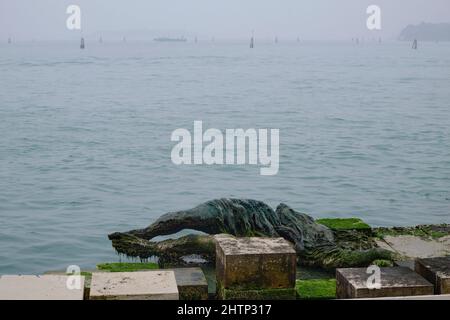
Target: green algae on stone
[
  {"x": 87, "y": 284},
  {"x": 315, "y": 289},
  {"x": 423, "y": 231},
  {"x": 383, "y": 263},
  {"x": 344, "y": 224},
  {"x": 257, "y": 294},
  {"x": 350, "y": 258},
  {"x": 127, "y": 267},
  {"x": 192, "y": 293}
]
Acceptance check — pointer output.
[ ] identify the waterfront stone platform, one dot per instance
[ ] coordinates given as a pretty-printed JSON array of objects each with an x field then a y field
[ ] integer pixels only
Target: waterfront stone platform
[
  {"x": 409, "y": 247},
  {"x": 147, "y": 285},
  {"x": 351, "y": 283},
  {"x": 46, "y": 287},
  {"x": 255, "y": 268},
  {"x": 436, "y": 271},
  {"x": 245, "y": 259}
]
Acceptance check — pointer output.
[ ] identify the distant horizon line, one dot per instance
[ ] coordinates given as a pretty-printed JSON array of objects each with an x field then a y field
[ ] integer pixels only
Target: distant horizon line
[
  {"x": 149, "y": 34},
  {"x": 266, "y": 40}
]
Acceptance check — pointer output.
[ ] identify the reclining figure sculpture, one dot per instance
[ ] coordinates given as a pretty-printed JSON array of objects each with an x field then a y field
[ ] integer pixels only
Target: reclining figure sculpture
[{"x": 315, "y": 244}]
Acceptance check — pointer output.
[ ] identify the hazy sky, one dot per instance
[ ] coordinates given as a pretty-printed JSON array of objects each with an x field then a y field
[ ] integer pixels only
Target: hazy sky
[{"x": 312, "y": 20}]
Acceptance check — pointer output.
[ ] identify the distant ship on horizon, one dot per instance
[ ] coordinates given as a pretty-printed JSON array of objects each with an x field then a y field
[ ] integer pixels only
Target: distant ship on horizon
[{"x": 167, "y": 39}]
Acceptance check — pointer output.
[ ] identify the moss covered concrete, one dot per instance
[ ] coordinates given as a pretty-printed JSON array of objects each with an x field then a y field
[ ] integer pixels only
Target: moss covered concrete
[
  {"x": 344, "y": 224},
  {"x": 126, "y": 267},
  {"x": 383, "y": 263},
  {"x": 316, "y": 289},
  {"x": 257, "y": 294},
  {"x": 423, "y": 231},
  {"x": 193, "y": 293}
]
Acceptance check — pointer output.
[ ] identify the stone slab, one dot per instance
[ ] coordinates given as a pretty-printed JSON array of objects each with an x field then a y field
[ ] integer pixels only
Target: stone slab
[
  {"x": 351, "y": 283},
  {"x": 437, "y": 271},
  {"x": 255, "y": 263},
  {"x": 146, "y": 285},
  {"x": 46, "y": 287},
  {"x": 191, "y": 283},
  {"x": 87, "y": 279}
]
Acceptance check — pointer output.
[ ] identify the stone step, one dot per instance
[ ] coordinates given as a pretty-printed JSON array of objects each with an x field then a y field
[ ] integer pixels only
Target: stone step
[
  {"x": 146, "y": 285},
  {"x": 46, "y": 287},
  {"x": 352, "y": 283},
  {"x": 437, "y": 271}
]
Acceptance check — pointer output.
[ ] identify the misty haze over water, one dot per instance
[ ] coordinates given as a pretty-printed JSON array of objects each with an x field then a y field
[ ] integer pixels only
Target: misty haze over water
[
  {"x": 232, "y": 19},
  {"x": 85, "y": 134}
]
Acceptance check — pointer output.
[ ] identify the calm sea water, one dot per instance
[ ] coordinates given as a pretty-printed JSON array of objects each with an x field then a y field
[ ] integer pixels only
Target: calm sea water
[{"x": 85, "y": 137}]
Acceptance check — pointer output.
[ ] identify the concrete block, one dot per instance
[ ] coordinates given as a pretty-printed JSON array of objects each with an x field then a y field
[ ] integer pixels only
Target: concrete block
[
  {"x": 351, "y": 283},
  {"x": 46, "y": 287},
  {"x": 437, "y": 271},
  {"x": 255, "y": 263},
  {"x": 146, "y": 285}
]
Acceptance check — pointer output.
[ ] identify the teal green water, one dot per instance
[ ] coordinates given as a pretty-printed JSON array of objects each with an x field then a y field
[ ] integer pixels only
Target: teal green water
[{"x": 85, "y": 137}]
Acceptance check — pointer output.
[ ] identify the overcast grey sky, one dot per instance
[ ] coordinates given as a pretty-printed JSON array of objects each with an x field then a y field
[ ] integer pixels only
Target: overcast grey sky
[{"x": 312, "y": 20}]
